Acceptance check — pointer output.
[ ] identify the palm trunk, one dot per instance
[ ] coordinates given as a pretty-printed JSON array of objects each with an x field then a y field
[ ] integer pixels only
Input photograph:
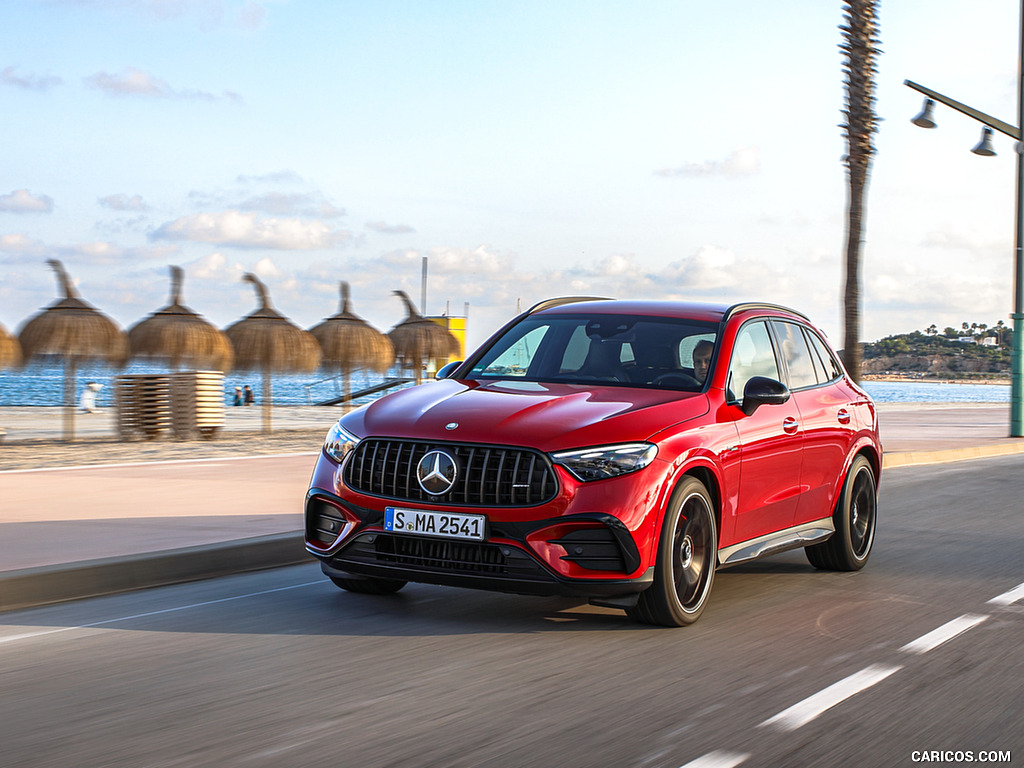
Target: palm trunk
[
  {"x": 853, "y": 350},
  {"x": 268, "y": 400},
  {"x": 69, "y": 399},
  {"x": 860, "y": 48}
]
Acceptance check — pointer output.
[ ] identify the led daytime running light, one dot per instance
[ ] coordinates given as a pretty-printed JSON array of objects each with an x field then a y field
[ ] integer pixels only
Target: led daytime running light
[
  {"x": 339, "y": 442},
  {"x": 606, "y": 461}
]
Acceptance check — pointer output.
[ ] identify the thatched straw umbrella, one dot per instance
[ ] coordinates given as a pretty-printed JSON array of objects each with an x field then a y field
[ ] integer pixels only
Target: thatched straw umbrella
[
  {"x": 349, "y": 343},
  {"x": 74, "y": 331},
  {"x": 180, "y": 336},
  {"x": 418, "y": 339},
  {"x": 10, "y": 349},
  {"x": 267, "y": 341}
]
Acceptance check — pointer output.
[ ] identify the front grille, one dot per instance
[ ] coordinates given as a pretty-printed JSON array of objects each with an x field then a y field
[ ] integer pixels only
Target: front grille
[
  {"x": 445, "y": 555},
  {"x": 440, "y": 556},
  {"x": 488, "y": 476}
]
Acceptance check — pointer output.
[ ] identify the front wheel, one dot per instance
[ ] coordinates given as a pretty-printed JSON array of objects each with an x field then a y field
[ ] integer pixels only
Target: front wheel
[
  {"x": 687, "y": 556},
  {"x": 854, "y": 519}
]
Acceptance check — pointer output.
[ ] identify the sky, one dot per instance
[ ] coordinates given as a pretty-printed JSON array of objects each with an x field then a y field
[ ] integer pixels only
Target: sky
[{"x": 665, "y": 149}]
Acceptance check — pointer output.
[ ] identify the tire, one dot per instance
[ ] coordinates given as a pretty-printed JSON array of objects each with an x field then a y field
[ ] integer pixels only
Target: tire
[
  {"x": 367, "y": 585},
  {"x": 855, "y": 518},
  {"x": 687, "y": 557}
]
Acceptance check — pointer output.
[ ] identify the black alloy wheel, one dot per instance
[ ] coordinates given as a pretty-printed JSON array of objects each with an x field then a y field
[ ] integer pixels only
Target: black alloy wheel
[
  {"x": 687, "y": 557},
  {"x": 854, "y": 518}
]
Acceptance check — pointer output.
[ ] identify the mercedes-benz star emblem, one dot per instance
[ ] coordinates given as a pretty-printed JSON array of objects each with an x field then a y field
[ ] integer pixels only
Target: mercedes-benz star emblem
[{"x": 436, "y": 473}]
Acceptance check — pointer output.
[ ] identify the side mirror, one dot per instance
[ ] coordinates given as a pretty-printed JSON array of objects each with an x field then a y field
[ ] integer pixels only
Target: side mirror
[
  {"x": 760, "y": 390},
  {"x": 446, "y": 370}
]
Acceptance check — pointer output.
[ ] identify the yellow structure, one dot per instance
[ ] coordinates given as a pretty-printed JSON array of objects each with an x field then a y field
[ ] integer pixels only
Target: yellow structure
[{"x": 456, "y": 326}]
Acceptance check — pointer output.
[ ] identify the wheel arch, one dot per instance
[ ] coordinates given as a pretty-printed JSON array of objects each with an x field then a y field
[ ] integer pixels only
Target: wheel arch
[{"x": 869, "y": 451}]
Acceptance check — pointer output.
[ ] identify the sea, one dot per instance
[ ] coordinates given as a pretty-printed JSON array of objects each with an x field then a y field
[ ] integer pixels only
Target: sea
[{"x": 41, "y": 384}]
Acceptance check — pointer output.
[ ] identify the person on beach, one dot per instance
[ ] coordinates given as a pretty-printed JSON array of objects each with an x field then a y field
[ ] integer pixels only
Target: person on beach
[
  {"x": 250, "y": 398},
  {"x": 87, "y": 402},
  {"x": 238, "y": 396}
]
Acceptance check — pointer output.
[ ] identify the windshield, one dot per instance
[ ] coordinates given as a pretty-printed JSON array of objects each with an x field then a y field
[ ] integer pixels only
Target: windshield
[{"x": 619, "y": 350}]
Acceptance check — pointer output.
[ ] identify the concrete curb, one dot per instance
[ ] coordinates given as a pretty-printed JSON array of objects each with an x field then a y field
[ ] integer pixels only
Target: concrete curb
[
  {"x": 32, "y": 587},
  {"x": 920, "y": 458}
]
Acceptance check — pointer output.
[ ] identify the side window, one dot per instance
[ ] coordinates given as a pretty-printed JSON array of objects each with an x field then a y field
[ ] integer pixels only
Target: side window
[
  {"x": 752, "y": 355},
  {"x": 796, "y": 354},
  {"x": 515, "y": 360},
  {"x": 819, "y": 367},
  {"x": 832, "y": 369},
  {"x": 701, "y": 343}
]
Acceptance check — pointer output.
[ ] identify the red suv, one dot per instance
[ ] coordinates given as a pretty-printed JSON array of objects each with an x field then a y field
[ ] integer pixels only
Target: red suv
[{"x": 620, "y": 451}]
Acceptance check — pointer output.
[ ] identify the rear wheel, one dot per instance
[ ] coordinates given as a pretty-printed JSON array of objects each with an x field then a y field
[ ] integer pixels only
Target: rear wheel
[
  {"x": 854, "y": 519},
  {"x": 687, "y": 556},
  {"x": 367, "y": 585}
]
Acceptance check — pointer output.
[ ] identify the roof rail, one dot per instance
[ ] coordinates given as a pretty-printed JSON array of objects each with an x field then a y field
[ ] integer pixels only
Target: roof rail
[
  {"x": 557, "y": 302},
  {"x": 760, "y": 305}
]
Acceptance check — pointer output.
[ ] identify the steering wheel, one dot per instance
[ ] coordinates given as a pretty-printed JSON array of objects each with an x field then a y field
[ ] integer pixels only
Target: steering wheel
[{"x": 676, "y": 380}]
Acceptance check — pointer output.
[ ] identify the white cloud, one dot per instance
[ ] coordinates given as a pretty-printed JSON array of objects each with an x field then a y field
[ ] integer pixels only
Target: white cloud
[
  {"x": 390, "y": 229},
  {"x": 215, "y": 266},
  {"x": 136, "y": 82},
  {"x": 294, "y": 204},
  {"x": 9, "y": 76},
  {"x": 23, "y": 201},
  {"x": 745, "y": 161},
  {"x": 247, "y": 230},
  {"x": 266, "y": 268},
  {"x": 122, "y": 202}
]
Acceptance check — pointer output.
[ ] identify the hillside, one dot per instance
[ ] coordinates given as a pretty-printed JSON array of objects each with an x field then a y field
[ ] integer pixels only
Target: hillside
[{"x": 971, "y": 352}]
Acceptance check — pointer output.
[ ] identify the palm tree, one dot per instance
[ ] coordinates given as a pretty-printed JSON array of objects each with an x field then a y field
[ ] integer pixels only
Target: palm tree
[{"x": 859, "y": 47}]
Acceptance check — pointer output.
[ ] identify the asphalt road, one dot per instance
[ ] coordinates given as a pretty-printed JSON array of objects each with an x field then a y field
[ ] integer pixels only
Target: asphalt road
[{"x": 787, "y": 667}]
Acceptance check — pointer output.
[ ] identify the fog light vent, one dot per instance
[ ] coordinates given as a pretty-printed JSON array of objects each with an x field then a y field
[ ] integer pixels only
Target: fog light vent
[{"x": 593, "y": 548}]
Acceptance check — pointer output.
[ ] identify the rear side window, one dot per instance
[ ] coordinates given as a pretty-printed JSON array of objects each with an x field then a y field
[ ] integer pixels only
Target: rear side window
[
  {"x": 752, "y": 355},
  {"x": 828, "y": 361},
  {"x": 796, "y": 354}
]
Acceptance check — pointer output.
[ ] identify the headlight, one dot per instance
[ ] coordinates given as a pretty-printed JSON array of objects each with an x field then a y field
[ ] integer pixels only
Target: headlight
[
  {"x": 339, "y": 442},
  {"x": 606, "y": 460}
]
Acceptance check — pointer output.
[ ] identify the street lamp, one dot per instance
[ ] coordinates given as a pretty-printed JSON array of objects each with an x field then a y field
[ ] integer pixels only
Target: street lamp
[{"x": 984, "y": 147}]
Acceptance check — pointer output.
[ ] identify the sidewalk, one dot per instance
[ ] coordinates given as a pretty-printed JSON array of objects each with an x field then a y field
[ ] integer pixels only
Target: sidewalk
[{"x": 68, "y": 532}]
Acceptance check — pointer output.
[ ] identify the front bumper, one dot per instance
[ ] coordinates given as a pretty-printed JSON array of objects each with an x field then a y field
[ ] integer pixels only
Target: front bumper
[
  {"x": 349, "y": 539},
  {"x": 543, "y": 550},
  {"x": 488, "y": 566}
]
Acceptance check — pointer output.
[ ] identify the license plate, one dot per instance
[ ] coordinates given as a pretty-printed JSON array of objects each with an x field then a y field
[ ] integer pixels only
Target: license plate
[{"x": 452, "y": 525}]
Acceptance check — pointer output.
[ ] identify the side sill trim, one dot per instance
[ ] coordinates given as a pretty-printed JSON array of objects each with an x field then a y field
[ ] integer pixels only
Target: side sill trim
[{"x": 790, "y": 538}]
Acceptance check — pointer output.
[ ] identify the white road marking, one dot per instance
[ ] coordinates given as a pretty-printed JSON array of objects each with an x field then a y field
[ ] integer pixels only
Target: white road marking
[
  {"x": 1008, "y": 598},
  {"x": 947, "y": 631},
  {"x": 164, "y": 461},
  {"x": 803, "y": 712},
  {"x": 41, "y": 633},
  {"x": 717, "y": 759}
]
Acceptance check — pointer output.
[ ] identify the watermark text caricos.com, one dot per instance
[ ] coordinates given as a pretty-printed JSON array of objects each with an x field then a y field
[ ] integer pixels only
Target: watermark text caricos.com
[{"x": 959, "y": 756}]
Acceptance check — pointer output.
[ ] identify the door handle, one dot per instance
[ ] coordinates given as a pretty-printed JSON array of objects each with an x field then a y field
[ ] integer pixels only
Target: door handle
[
  {"x": 843, "y": 416},
  {"x": 790, "y": 425}
]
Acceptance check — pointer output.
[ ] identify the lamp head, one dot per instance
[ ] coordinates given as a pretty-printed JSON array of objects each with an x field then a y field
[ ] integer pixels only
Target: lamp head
[
  {"x": 984, "y": 147},
  {"x": 924, "y": 117}
]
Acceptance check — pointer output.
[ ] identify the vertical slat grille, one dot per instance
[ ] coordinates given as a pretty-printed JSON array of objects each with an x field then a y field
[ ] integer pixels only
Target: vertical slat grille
[{"x": 487, "y": 475}]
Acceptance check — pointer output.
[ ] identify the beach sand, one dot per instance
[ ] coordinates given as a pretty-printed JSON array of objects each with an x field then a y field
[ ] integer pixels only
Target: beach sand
[{"x": 33, "y": 437}]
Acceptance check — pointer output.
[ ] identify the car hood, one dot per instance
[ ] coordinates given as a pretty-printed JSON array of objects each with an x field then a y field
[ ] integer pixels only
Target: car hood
[{"x": 546, "y": 416}]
